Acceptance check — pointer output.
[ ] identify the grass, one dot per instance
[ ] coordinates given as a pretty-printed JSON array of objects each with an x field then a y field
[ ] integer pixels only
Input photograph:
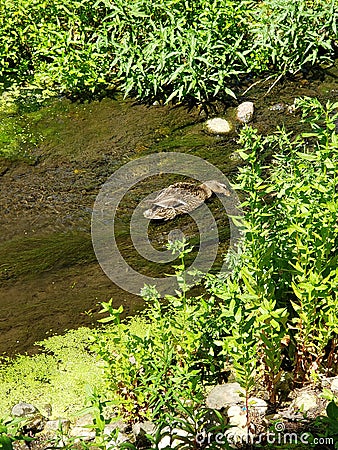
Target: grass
[{"x": 169, "y": 49}]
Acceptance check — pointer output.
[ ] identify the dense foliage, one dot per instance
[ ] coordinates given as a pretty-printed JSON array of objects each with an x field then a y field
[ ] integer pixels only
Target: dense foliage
[
  {"x": 170, "y": 49},
  {"x": 274, "y": 321},
  {"x": 271, "y": 324}
]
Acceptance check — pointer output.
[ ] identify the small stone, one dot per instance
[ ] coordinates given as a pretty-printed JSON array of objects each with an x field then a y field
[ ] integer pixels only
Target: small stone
[
  {"x": 237, "y": 416},
  {"x": 218, "y": 126},
  {"x": 86, "y": 434},
  {"x": 291, "y": 108},
  {"x": 279, "y": 107},
  {"x": 59, "y": 424},
  {"x": 48, "y": 409},
  {"x": 305, "y": 402},
  {"x": 24, "y": 409},
  {"x": 334, "y": 384},
  {"x": 225, "y": 395},
  {"x": 245, "y": 112},
  {"x": 260, "y": 406}
]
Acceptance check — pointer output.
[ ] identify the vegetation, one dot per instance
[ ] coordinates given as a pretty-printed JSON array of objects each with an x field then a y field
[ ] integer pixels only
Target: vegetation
[
  {"x": 169, "y": 49},
  {"x": 273, "y": 319},
  {"x": 56, "y": 376}
]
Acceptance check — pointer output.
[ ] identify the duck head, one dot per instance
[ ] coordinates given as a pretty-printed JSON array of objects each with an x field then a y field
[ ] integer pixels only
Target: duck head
[{"x": 213, "y": 186}]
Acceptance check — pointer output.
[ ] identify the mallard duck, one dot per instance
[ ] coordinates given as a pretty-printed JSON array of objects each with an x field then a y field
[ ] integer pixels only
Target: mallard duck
[{"x": 181, "y": 198}]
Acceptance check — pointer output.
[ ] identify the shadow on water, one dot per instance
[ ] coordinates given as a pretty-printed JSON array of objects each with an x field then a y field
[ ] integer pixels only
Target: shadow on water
[{"x": 50, "y": 279}]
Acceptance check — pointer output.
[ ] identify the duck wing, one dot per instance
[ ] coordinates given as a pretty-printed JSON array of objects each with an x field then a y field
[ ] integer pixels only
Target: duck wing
[
  {"x": 179, "y": 198},
  {"x": 169, "y": 202}
]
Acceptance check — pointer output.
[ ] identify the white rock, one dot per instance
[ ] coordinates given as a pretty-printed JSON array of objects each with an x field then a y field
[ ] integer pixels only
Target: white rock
[
  {"x": 115, "y": 443},
  {"x": 218, "y": 126},
  {"x": 168, "y": 441},
  {"x": 84, "y": 420},
  {"x": 305, "y": 401},
  {"x": 334, "y": 384},
  {"x": 225, "y": 395},
  {"x": 146, "y": 427},
  {"x": 234, "y": 410},
  {"x": 86, "y": 434},
  {"x": 118, "y": 424},
  {"x": 23, "y": 409},
  {"x": 245, "y": 112},
  {"x": 260, "y": 406},
  {"x": 237, "y": 416},
  {"x": 54, "y": 425}
]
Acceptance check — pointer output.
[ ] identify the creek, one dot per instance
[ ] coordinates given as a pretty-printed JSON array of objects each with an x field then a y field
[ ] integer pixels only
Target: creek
[{"x": 50, "y": 280}]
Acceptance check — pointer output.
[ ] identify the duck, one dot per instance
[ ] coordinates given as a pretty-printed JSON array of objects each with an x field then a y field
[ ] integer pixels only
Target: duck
[{"x": 181, "y": 198}]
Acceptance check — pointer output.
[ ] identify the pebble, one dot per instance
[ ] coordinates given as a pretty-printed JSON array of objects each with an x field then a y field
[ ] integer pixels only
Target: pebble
[
  {"x": 225, "y": 395},
  {"x": 334, "y": 384},
  {"x": 23, "y": 409},
  {"x": 218, "y": 126},
  {"x": 280, "y": 107},
  {"x": 245, "y": 112}
]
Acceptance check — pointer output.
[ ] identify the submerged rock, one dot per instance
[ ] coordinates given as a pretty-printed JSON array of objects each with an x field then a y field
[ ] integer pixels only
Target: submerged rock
[
  {"x": 218, "y": 126},
  {"x": 279, "y": 107},
  {"x": 245, "y": 112}
]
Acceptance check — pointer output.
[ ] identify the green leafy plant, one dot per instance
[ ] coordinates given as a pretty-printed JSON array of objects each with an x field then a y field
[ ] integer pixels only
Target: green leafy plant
[
  {"x": 11, "y": 431},
  {"x": 281, "y": 297},
  {"x": 146, "y": 366},
  {"x": 169, "y": 49}
]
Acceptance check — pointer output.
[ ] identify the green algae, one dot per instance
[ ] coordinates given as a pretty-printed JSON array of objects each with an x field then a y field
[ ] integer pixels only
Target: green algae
[{"x": 31, "y": 256}]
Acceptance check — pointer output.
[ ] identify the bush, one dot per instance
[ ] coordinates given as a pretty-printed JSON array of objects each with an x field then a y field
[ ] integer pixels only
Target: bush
[
  {"x": 169, "y": 49},
  {"x": 280, "y": 302}
]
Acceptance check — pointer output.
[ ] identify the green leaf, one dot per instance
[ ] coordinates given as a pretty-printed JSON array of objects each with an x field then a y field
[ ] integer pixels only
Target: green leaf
[{"x": 332, "y": 410}]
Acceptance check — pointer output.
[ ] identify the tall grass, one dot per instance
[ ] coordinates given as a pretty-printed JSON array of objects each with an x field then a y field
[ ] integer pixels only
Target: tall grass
[{"x": 168, "y": 49}]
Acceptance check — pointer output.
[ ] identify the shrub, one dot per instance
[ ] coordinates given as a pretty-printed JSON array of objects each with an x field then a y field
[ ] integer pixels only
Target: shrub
[{"x": 169, "y": 49}]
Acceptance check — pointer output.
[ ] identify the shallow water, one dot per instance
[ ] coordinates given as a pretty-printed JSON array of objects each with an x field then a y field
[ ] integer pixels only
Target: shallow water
[{"x": 50, "y": 279}]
